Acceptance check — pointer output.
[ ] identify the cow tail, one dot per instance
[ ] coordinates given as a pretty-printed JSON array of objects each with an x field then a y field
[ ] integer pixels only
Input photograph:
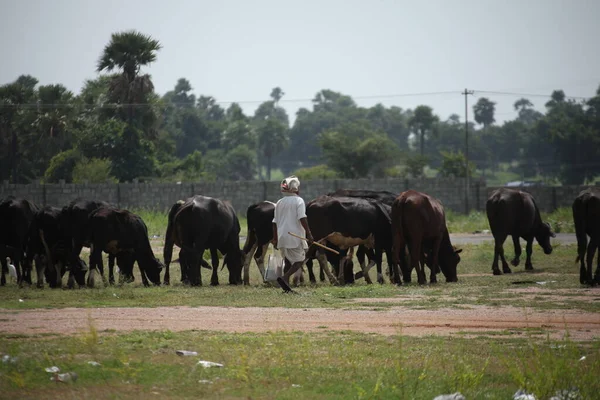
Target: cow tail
[
  {"x": 398, "y": 240},
  {"x": 169, "y": 240},
  {"x": 251, "y": 236},
  {"x": 579, "y": 213}
]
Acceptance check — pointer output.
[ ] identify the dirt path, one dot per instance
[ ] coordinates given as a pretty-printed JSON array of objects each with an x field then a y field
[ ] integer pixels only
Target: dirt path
[{"x": 474, "y": 320}]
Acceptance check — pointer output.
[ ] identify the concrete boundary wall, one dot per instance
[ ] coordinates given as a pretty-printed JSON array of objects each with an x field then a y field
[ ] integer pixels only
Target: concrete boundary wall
[{"x": 161, "y": 196}]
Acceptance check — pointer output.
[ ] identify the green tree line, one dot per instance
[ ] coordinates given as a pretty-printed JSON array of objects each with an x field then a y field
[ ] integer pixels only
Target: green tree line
[{"x": 118, "y": 129}]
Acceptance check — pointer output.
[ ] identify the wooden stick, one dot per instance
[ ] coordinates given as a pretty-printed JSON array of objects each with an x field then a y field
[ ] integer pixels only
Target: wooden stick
[{"x": 316, "y": 243}]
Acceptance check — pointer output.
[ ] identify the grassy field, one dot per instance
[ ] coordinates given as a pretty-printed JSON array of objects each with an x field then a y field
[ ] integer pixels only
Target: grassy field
[
  {"x": 343, "y": 365},
  {"x": 327, "y": 365},
  {"x": 476, "y": 286}
]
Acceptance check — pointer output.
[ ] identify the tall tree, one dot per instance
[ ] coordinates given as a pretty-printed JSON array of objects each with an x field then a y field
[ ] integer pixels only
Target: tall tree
[
  {"x": 276, "y": 95},
  {"x": 423, "y": 122},
  {"x": 527, "y": 114},
  {"x": 484, "y": 111},
  {"x": 128, "y": 52},
  {"x": 272, "y": 138}
]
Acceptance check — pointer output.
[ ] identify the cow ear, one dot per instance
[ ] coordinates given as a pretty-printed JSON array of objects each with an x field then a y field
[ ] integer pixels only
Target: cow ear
[{"x": 458, "y": 251}]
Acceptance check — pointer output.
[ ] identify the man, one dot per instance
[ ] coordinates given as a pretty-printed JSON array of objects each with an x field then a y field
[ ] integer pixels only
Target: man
[{"x": 290, "y": 216}]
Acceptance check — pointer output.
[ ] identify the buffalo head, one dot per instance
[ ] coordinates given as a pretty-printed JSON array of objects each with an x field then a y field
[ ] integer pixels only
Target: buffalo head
[
  {"x": 153, "y": 272},
  {"x": 449, "y": 262},
  {"x": 234, "y": 259},
  {"x": 543, "y": 235}
]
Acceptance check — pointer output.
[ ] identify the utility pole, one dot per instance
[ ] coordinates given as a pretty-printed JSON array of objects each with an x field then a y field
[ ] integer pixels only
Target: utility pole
[{"x": 467, "y": 184}]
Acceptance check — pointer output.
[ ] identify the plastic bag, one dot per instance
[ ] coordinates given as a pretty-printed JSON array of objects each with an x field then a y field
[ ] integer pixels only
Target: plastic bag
[{"x": 274, "y": 267}]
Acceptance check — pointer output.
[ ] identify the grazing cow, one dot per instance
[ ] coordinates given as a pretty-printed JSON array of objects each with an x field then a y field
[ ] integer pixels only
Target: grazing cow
[
  {"x": 260, "y": 233},
  {"x": 168, "y": 250},
  {"x": 16, "y": 216},
  {"x": 116, "y": 231},
  {"x": 382, "y": 196},
  {"x": 419, "y": 221},
  {"x": 202, "y": 223},
  {"x": 515, "y": 213},
  {"x": 586, "y": 215},
  {"x": 48, "y": 238},
  {"x": 346, "y": 222},
  {"x": 77, "y": 217}
]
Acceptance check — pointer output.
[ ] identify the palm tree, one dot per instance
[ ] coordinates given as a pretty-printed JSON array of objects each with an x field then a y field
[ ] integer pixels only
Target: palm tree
[
  {"x": 272, "y": 138},
  {"x": 484, "y": 111},
  {"x": 423, "y": 121},
  {"x": 129, "y": 51}
]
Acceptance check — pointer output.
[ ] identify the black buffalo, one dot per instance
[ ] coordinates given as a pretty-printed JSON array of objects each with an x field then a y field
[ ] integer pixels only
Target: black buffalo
[
  {"x": 122, "y": 234},
  {"x": 586, "y": 215},
  {"x": 260, "y": 233},
  {"x": 49, "y": 239},
  {"x": 77, "y": 218},
  {"x": 16, "y": 215},
  {"x": 515, "y": 213},
  {"x": 347, "y": 222},
  {"x": 362, "y": 252},
  {"x": 202, "y": 223}
]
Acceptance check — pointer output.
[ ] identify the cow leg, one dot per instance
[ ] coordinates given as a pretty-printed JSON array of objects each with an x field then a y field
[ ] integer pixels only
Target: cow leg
[
  {"x": 591, "y": 251},
  {"x": 342, "y": 264},
  {"x": 183, "y": 266},
  {"x": 260, "y": 261},
  {"x": 365, "y": 270},
  {"x": 4, "y": 270},
  {"x": 597, "y": 273},
  {"x": 95, "y": 260},
  {"x": 415, "y": 261},
  {"x": 247, "y": 261},
  {"x": 298, "y": 276},
  {"x": 40, "y": 267},
  {"x": 311, "y": 275},
  {"x": 528, "y": 251},
  {"x": 517, "y": 245},
  {"x": 194, "y": 274},
  {"x": 435, "y": 260},
  {"x": 322, "y": 258},
  {"x": 499, "y": 253},
  {"x": 58, "y": 268},
  {"x": 214, "y": 279},
  {"x": 111, "y": 269}
]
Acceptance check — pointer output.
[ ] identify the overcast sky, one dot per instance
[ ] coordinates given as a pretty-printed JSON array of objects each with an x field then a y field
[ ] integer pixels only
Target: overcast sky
[{"x": 240, "y": 50}]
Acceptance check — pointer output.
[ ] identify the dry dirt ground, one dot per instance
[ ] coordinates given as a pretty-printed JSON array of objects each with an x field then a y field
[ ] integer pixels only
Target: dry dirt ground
[{"x": 472, "y": 320}]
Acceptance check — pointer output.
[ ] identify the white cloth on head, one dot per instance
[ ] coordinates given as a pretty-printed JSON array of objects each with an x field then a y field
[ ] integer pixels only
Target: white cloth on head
[
  {"x": 290, "y": 184},
  {"x": 293, "y": 255},
  {"x": 288, "y": 212}
]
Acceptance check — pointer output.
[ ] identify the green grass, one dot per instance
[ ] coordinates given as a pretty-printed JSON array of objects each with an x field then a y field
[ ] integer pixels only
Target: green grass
[
  {"x": 560, "y": 219},
  {"x": 295, "y": 365}
]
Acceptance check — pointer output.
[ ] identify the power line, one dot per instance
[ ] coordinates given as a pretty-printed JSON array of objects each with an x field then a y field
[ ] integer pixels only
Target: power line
[
  {"x": 41, "y": 106},
  {"x": 298, "y": 100},
  {"x": 528, "y": 94}
]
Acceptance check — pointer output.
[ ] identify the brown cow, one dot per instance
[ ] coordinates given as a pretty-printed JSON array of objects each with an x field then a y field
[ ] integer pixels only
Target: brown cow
[
  {"x": 419, "y": 221},
  {"x": 586, "y": 215},
  {"x": 512, "y": 212}
]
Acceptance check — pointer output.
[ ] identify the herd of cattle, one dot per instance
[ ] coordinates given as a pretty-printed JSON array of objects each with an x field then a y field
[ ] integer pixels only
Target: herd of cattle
[{"x": 409, "y": 228}]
